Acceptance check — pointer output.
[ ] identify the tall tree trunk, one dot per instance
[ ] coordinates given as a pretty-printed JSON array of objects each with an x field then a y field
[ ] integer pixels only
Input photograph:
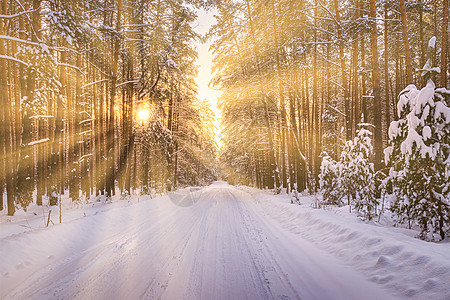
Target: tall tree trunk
[
  {"x": 376, "y": 89},
  {"x": 84, "y": 129},
  {"x": 40, "y": 178},
  {"x": 309, "y": 142},
  {"x": 355, "y": 82},
  {"x": 386, "y": 73},
  {"x": 421, "y": 40},
  {"x": 73, "y": 138},
  {"x": 130, "y": 135},
  {"x": 408, "y": 60},
  {"x": 59, "y": 131},
  {"x": 398, "y": 87},
  {"x": 96, "y": 123},
  {"x": 177, "y": 122},
  {"x": 444, "y": 46},
  {"x": 293, "y": 159},
  {"x": 363, "y": 80},
  {"x": 348, "y": 125},
  {"x": 170, "y": 126},
  {"x": 111, "y": 131},
  {"x": 301, "y": 167},
  {"x": 102, "y": 144},
  {"x": 315, "y": 108}
]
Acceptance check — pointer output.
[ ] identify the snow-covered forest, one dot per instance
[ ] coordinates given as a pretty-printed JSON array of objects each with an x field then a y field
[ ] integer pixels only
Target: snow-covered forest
[
  {"x": 344, "y": 98},
  {"x": 97, "y": 95},
  {"x": 329, "y": 177}
]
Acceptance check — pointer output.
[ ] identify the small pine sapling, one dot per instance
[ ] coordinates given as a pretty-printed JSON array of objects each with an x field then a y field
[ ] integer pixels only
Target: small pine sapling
[
  {"x": 329, "y": 181},
  {"x": 356, "y": 172}
]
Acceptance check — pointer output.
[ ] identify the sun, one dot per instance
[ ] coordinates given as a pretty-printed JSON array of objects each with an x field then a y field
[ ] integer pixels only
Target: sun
[{"x": 143, "y": 114}]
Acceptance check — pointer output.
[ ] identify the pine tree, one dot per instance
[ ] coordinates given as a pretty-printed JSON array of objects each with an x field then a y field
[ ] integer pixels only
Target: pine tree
[
  {"x": 329, "y": 181},
  {"x": 418, "y": 158},
  {"x": 356, "y": 172}
]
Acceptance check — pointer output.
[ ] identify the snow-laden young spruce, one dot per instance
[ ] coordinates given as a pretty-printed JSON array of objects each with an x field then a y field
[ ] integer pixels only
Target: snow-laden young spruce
[
  {"x": 329, "y": 180},
  {"x": 352, "y": 176},
  {"x": 418, "y": 159}
]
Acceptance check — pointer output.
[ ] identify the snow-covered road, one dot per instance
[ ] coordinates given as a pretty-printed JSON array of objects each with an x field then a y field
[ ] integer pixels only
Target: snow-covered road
[{"x": 213, "y": 243}]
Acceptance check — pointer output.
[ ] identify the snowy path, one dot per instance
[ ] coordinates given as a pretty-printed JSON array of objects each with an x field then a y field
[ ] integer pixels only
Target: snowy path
[{"x": 214, "y": 243}]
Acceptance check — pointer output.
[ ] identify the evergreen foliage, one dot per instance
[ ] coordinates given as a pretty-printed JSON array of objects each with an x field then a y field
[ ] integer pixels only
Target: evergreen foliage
[
  {"x": 352, "y": 176},
  {"x": 329, "y": 181},
  {"x": 418, "y": 157},
  {"x": 356, "y": 172}
]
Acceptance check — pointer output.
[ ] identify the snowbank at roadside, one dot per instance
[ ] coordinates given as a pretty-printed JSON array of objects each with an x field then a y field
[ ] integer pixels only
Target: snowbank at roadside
[
  {"x": 392, "y": 257},
  {"x": 37, "y": 217}
]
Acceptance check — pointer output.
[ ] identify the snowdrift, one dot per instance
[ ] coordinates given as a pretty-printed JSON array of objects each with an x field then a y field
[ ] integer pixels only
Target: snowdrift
[{"x": 392, "y": 257}]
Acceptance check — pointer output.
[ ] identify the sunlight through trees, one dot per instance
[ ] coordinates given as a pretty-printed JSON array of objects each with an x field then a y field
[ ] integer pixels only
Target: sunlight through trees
[{"x": 77, "y": 77}]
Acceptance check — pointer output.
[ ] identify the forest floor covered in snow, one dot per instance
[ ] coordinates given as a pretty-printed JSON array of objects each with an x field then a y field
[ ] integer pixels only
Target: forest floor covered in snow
[{"x": 216, "y": 242}]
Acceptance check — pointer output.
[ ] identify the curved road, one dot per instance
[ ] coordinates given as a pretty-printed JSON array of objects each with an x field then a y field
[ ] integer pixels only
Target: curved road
[{"x": 214, "y": 243}]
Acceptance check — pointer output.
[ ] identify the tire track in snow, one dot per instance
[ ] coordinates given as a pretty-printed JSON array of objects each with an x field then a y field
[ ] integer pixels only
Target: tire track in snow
[
  {"x": 168, "y": 269},
  {"x": 304, "y": 266},
  {"x": 268, "y": 264},
  {"x": 222, "y": 247}
]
